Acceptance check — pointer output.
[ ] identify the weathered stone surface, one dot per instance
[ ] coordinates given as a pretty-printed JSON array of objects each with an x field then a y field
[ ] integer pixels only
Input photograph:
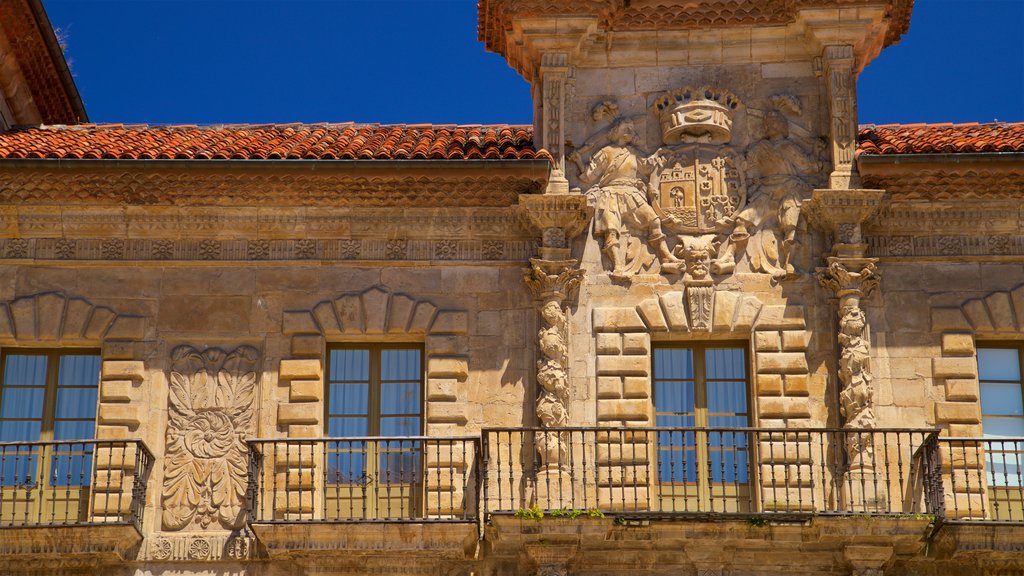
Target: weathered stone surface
[{"x": 618, "y": 320}]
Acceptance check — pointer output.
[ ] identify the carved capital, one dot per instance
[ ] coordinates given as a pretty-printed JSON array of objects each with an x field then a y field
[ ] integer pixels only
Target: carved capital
[
  {"x": 553, "y": 279},
  {"x": 849, "y": 278}
]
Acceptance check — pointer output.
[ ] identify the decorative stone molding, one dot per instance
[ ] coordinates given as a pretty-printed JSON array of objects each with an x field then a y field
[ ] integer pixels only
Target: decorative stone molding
[
  {"x": 267, "y": 250},
  {"x": 558, "y": 218},
  {"x": 379, "y": 313},
  {"x": 842, "y": 214},
  {"x": 212, "y": 412},
  {"x": 199, "y": 547},
  {"x": 551, "y": 559}
]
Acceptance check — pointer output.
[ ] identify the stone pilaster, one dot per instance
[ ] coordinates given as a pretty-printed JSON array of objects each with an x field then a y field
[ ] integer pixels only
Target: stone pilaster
[
  {"x": 839, "y": 63},
  {"x": 554, "y": 71},
  {"x": 851, "y": 277}
]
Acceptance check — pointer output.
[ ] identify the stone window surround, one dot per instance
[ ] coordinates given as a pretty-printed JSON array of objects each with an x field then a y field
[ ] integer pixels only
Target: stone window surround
[
  {"x": 778, "y": 343},
  {"x": 376, "y": 315},
  {"x": 996, "y": 317},
  {"x": 51, "y": 320}
]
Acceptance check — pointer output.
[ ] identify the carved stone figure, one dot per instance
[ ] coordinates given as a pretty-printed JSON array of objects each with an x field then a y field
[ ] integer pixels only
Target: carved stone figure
[
  {"x": 553, "y": 380},
  {"x": 779, "y": 170},
  {"x": 855, "y": 370},
  {"x": 212, "y": 412},
  {"x": 617, "y": 174}
]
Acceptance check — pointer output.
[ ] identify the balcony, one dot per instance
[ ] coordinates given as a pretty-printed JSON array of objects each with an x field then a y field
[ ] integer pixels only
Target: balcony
[
  {"x": 984, "y": 479},
  {"x": 89, "y": 493},
  {"x": 694, "y": 472},
  {"x": 387, "y": 489}
]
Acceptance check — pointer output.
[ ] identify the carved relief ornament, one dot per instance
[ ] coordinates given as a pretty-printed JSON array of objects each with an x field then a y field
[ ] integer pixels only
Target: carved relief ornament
[{"x": 212, "y": 410}]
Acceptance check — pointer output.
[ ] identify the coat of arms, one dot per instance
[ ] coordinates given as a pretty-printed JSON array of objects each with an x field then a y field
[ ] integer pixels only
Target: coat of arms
[{"x": 697, "y": 188}]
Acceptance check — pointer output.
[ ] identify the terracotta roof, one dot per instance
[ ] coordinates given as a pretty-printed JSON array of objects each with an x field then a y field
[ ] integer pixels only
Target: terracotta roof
[
  {"x": 941, "y": 138},
  {"x": 272, "y": 142}
]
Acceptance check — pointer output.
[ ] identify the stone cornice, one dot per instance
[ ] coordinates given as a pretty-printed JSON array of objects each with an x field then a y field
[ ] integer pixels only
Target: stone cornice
[{"x": 342, "y": 183}]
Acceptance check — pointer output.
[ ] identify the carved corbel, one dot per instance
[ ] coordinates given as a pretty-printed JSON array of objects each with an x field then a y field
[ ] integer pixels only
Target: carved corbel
[
  {"x": 551, "y": 559},
  {"x": 839, "y": 64},
  {"x": 558, "y": 219},
  {"x": 553, "y": 76},
  {"x": 842, "y": 213}
]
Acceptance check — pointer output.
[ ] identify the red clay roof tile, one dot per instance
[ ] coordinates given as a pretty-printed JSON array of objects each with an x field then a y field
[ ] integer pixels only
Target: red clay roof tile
[
  {"x": 282, "y": 141},
  {"x": 941, "y": 138}
]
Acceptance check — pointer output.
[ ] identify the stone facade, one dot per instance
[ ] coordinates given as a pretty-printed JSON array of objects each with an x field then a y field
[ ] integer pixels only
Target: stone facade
[{"x": 703, "y": 188}]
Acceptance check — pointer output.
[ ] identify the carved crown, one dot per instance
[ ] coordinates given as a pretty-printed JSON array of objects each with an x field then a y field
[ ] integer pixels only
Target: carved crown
[{"x": 696, "y": 114}]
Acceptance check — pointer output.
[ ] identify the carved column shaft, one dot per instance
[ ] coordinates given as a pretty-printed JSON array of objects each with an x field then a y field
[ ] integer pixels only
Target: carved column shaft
[
  {"x": 839, "y": 65},
  {"x": 554, "y": 71}
]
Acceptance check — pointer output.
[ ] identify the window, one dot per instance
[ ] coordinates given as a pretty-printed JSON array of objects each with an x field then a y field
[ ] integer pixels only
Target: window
[
  {"x": 375, "y": 392},
  {"x": 46, "y": 396},
  {"x": 1002, "y": 424},
  {"x": 702, "y": 386}
]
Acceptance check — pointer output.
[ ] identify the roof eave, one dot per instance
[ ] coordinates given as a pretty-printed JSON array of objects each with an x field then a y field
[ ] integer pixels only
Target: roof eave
[{"x": 59, "y": 62}]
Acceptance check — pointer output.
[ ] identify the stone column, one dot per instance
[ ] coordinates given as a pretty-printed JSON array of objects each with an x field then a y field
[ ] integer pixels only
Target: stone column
[
  {"x": 850, "y": 277},
  {"x": 554, "y": 279},
  {"x": 554, "y": 71},
  {"x": 838, "y": 62}
]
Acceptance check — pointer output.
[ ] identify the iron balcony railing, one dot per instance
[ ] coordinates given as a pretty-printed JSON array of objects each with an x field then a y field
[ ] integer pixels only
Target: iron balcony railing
[
  {"x": 393, "y": 479},
  {"x": 704, "y": 471},
  {"x": 73, "y": 482},
  {"x": 984, "y": 479}
]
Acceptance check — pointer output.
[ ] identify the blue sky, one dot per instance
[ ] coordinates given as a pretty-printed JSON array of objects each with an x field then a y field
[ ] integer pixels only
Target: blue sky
[{"x": 418, "y": 61}]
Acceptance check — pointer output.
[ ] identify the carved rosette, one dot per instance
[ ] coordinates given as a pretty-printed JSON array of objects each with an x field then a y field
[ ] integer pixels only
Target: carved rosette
[
  {"x": 553, "y": 284},
  {"x": 212, "y": 411}
]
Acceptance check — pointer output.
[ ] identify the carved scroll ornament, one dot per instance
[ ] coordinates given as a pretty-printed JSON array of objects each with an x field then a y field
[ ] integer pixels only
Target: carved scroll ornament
[{"x": 211, "y": 413}]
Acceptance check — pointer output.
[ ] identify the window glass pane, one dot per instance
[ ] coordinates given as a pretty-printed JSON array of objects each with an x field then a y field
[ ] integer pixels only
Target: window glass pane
[
  {"x": 400, "y": 462},
  {"x": 673, "y": 363},
  {"x": 70, "y": 469},
  {"x": 1001, "y": 399},
  {"x": 346, "y": 463},
  {"x": 349, "y": 398},
  {"x": 21, "y": 403},
  {"x": 350, "y": 365},
  {"x": 407, "y": 426},
  {"x": 76, "y": 403},
  {"x": 677, "y": 466},
  {"x": 73, "y": 430},
  {"x": 727, "y": 421},
  {"x": 998, "y": 364},
  {"x": 727, "y": 397},
  {"x": 25, "y": 370},
  {"x": 403, "y": 398},
  {"x": 12, "y": 431},
  {"x": 79, "y": 370},
  {"x": 673, "y": 396},
  {"x": 343, "y": 427},
  {"x": 1004, "y": 427},
  {"x": 728, "y": 466},
  {"x": 725, "y": 363},
  {"x": 18, "y": 468},
  {"x": 665, "y": 421},
  {"x": 401, "y": 364}
]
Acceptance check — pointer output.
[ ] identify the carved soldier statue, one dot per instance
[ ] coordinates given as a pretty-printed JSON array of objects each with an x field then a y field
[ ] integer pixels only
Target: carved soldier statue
[
  {"x": 778, "y": 173},
  {"x": 617, "y": 174}
]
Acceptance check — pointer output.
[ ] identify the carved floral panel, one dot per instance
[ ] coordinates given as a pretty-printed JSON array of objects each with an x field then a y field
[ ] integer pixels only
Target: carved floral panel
[{"x": 212, "y": 410}]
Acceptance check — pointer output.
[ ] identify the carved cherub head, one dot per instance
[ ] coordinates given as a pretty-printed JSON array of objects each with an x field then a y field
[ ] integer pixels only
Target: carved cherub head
[
  {"x": 851, "y": 324},
  {"x": 551, "y": 312}
]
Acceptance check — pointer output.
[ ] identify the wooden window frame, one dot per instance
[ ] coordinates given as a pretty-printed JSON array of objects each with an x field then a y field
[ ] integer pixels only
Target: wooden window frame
[
  {"x": 1000, "y": 345},
  {"x": 53, "y": 356},
  {"x": 373, "y": 414},
  {"x": 700, "y": 391}
]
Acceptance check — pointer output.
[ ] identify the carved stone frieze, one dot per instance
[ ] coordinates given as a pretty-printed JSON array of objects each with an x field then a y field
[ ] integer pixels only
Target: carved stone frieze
[
  {"x": 553, "y": 72},
  {"x": 212, "y": 411},
  {"x": 179, "y": 547},
  {"x": 267, "y": 250}
]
